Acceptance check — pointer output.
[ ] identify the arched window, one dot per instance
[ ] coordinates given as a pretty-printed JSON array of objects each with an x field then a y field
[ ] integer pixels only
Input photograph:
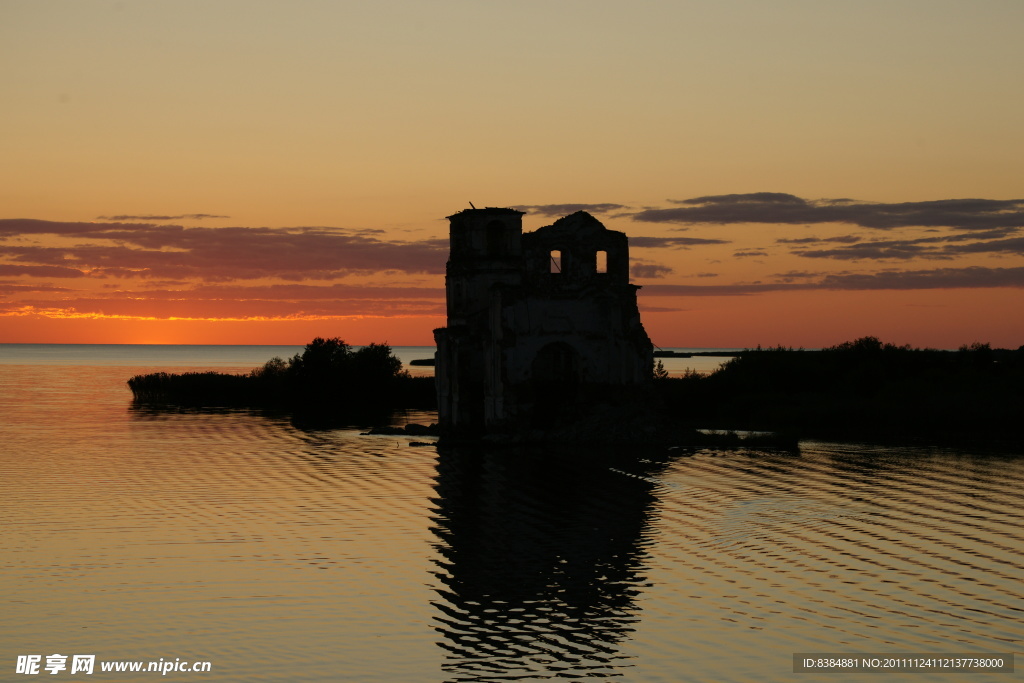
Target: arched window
[
  {"x": 601, "y": 262},
  {"x": 556, "y": 261}
]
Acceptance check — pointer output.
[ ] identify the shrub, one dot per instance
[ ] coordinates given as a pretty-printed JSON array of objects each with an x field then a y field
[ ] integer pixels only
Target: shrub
[{"x": 328, "y": 375}]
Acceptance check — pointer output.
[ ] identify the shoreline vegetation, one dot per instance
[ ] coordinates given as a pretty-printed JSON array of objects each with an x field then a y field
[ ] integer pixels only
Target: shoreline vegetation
[
  {"x": 328, "y": 377},
  {"x": 864, "y": 390}
]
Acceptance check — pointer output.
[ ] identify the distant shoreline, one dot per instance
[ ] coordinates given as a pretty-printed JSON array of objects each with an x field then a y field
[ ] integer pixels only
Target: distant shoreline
[
  {"x": 858, "y": 391},
  {"x": 861, "y": 390}
]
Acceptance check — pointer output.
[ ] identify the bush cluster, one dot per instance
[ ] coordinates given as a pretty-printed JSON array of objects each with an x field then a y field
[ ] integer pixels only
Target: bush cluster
[
  {"x": 860, "y": 389},
  {"x": 328, "y": 374}
]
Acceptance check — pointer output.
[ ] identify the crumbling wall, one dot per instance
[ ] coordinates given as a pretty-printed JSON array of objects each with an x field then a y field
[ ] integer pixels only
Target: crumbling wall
[{"x": 540, "y": 324}]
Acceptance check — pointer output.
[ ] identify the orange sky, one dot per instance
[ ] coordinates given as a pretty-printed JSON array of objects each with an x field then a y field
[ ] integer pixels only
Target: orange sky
[{"x": 258, "y": 172}]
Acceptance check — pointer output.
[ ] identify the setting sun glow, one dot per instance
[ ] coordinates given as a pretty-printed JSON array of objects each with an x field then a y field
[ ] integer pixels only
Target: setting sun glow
[{"x": 257, "y": 172}]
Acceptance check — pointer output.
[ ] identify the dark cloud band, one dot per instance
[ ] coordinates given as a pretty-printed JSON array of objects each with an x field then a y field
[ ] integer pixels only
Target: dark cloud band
[
  {"x": 973, "y": 277},
  {"x": 780, "y": 208}
]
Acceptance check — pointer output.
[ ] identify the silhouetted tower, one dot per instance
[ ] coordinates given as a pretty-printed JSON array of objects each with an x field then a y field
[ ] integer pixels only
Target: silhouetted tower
[
  {"x": 540, "y": 325},
  {"x": 485, "y": 258},
  {"x": 485, "y": 251}
]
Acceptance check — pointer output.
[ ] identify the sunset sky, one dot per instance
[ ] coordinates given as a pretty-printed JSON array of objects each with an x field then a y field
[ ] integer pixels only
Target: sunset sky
[{"x": 246, "y": 172}]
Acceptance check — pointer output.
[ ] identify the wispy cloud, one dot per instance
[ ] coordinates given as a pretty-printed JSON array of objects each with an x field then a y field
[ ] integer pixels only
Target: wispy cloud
[
  {"x": 843, "y": 239},
  {"x": 39, "y": 271},
  {"x": 290, "y": 292},
  {"x": 219, "y": 254},
  {"x": 644, "y": 308},
  {"x": 643, "y": 242},
  {"x": 249, "y": 309},
  {"x": 152, "y": 267},
  {"x": 649, "y": 271},
  {"x": 152, "y": 217},
  {"x": 237, "y": 302},
  {"x": 971, "y": 277},
  {"x": 19, "y": 288},
  {"x": 887, "y": 250},
  {"x": 945, "y": 248},
  {"x": 1007, "y": 246},
  {"x": 566, "y": 209}
]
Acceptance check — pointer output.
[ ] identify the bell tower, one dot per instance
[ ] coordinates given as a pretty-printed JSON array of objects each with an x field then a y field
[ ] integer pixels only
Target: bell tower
[
  {"x": 485, "y": 250},
  {"x": 485, "y": 261}
]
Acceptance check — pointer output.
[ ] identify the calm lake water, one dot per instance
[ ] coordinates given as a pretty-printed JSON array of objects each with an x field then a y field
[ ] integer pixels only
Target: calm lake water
[{"x": 284, "y": 554}]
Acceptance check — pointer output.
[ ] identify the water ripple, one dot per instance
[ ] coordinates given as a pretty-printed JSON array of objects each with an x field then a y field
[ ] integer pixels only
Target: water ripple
[{"x": 286, "y": 553}]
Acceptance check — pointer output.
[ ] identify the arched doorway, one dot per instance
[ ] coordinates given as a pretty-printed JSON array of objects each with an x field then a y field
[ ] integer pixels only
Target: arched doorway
[{"x": 556, "y": 379}]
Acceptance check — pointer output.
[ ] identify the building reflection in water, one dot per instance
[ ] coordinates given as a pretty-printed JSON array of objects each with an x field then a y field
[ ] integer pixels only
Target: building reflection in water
[{"x": 539, "y": 562}]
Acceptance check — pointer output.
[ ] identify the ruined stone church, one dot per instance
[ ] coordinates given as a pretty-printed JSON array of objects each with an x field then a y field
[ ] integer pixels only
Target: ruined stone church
[{"x": 541, "y": 325}]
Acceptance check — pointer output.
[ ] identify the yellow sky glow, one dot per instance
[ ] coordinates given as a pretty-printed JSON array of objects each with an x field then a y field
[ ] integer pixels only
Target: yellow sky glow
[{"x": 349, "y": 130}]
